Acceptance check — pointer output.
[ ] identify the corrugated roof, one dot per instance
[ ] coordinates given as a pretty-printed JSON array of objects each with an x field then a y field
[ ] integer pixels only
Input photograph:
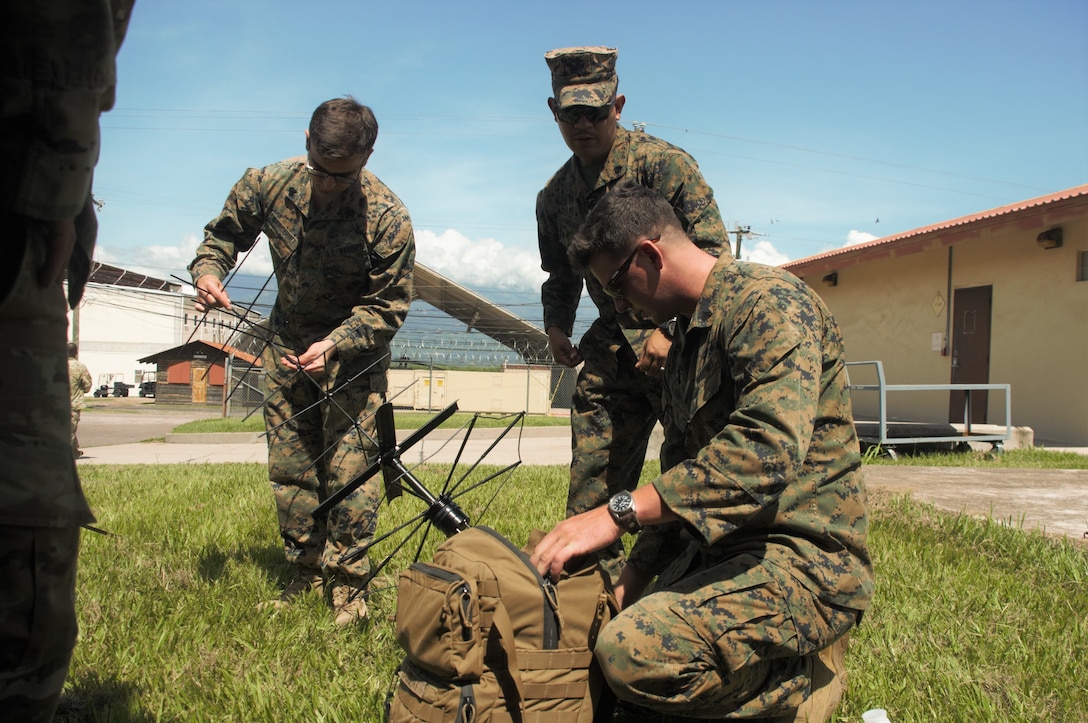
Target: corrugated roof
[
  {"x": 904, "y": 239},
  {"x": 116, "y": 276},
  {"x": 478, "y": 313}
]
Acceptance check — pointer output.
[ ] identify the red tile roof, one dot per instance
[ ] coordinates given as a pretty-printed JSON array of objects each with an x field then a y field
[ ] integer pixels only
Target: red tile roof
[{"x": 904, "y": 239}]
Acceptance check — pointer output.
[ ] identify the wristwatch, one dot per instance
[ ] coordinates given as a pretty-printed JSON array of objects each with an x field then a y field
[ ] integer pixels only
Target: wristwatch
[
  {"x": 622, "y": 509},
  {"x": 669, "y": 328}
]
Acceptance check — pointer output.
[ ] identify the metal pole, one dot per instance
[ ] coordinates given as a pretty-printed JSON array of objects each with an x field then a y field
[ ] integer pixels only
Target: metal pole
[{"x": 227, "y": 371}]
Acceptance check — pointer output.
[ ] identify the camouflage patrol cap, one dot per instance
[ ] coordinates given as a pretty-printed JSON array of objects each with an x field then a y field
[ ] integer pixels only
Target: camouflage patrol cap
[{"x": 583, "y": 76}]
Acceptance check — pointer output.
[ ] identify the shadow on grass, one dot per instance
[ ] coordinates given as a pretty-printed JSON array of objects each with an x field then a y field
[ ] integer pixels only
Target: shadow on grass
[
  {"x": 93, "y": 699},
  {"x": 214, "y": 562}
]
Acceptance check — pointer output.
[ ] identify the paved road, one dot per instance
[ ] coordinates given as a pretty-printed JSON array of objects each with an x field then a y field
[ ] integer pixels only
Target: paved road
[
  {"x": 121, "y": 420},
  {"x": 112, "y": 430}
]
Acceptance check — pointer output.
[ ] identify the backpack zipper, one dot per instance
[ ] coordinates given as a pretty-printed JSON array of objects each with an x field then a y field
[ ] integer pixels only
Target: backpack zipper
[{"x": 550, "y": 612}]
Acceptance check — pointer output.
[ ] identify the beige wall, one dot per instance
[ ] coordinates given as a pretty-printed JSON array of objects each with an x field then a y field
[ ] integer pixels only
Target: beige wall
[
  {"x": 887, "y": 309},
  {"x": 516, "y": 389}
]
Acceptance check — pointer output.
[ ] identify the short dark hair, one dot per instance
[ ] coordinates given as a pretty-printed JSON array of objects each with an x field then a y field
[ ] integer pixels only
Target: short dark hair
[
  {"x": 343, "y": 128},
  {"x": 73, "y": 350},
  {"x": 624, "y": 214}
]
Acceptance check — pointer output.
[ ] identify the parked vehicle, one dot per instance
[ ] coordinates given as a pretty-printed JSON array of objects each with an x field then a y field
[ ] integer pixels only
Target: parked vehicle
[{"x": 119, "y": 389}]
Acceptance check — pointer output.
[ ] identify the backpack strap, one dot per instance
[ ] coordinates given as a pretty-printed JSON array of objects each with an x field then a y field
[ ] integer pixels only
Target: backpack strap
[{"x": 500, "y": 623}]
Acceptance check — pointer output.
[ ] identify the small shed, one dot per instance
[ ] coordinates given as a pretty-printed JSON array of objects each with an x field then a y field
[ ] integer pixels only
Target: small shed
[{"x": 195, "y": 373}]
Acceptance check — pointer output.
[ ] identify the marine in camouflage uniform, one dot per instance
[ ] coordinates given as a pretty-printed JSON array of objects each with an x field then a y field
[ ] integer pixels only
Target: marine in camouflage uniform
[
  {"x": 79, "y": 383},
  {"x": 757, "y": 528},
  {"x": 57, "y": 74},
  {"x": 344, "y": 274},
  {"x": 617, "y": 399}
]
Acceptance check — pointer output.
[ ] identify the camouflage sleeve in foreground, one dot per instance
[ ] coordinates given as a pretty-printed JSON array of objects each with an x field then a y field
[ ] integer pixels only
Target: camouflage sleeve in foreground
[
  {"x": 756, "y": 394},
  {"x": 57, "y": 74},
  {"x": 381, "y": 310},
  {"x": 233, "y": 231}
]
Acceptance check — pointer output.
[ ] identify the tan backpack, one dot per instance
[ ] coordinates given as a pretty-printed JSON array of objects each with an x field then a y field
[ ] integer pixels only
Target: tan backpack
[{"x": 488, "y": 639}]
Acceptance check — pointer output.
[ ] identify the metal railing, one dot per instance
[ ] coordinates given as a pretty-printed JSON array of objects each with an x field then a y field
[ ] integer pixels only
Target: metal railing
[{"x": 882, "y": 388}]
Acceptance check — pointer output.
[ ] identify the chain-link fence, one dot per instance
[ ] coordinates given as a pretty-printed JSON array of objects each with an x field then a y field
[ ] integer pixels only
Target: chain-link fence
[{"x": 245, "y": 389}]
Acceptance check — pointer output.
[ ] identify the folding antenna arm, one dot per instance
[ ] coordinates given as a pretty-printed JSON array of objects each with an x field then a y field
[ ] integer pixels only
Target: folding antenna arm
[{"x": 442, "y": 511}]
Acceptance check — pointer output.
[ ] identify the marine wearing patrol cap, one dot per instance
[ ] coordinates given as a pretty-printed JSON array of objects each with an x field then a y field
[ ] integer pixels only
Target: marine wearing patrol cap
[{"x": 583, "y": 76}]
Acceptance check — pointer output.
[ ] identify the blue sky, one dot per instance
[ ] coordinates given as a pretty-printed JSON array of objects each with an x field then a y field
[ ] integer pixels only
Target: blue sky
[{"x": 816, "y": 123}]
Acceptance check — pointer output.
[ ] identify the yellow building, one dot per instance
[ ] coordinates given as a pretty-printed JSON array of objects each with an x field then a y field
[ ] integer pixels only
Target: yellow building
[{"x": 996, "y": 297}]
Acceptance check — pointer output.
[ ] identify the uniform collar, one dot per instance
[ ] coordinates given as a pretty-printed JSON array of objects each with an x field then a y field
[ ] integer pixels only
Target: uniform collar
[{"x": 709, "y": 300}]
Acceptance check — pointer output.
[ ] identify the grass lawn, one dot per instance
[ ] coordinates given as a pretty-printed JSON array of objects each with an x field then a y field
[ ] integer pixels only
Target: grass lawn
[{"x": 972, "y": 620}]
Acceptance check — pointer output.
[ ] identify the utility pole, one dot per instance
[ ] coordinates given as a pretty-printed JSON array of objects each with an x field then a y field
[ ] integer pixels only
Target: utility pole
[{"x": 740, "y": 232}]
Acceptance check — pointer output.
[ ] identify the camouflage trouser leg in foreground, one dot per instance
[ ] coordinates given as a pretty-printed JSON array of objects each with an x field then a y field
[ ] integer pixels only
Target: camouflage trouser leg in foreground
[
  {"x": 736, "y": 638},
  {"x": 318, "y": 443},
  {"x": 37, "y": 618},
  {"x": 41, "y": 501},
  {"x": 614, "y": 411}
]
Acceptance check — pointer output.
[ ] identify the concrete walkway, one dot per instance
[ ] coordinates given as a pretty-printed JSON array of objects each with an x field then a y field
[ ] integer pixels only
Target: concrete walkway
[{"x": 535, "y": 445}]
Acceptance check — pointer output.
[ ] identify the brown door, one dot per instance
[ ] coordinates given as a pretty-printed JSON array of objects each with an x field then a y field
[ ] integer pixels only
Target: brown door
[
  {"x": 970, "y": 351},
  {"x": 199, "y": 380}
]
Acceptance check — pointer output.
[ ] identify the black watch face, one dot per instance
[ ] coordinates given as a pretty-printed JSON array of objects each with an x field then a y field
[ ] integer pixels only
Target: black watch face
[{"x": 621, "y": 503}]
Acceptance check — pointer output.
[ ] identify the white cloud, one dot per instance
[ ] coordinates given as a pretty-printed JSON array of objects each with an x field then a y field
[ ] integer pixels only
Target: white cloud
[
  {"x": 763, "y": 252},
  {"x": 480, "y": 264},
  {"x": 859, "y": 237},
  {"x": 168, "y": 262}
]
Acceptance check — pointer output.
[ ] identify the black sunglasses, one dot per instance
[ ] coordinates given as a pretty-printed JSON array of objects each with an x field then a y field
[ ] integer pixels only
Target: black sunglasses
[
  {"x": 340, "y": 179},
  {"x": 611, "y": 288},
  {"x": 595, "y": 114}
]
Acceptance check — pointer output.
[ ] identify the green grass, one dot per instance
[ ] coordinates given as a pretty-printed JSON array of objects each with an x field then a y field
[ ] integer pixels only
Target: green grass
[
  {"x": 405, "y": 420},
  {"x": 972, "y": 620},
  {"x": 1031, "y": 458}
]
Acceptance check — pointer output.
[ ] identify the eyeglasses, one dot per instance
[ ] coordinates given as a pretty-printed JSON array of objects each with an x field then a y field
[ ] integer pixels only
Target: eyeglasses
[
  {"x": 340, "y": 179},
  {"x": 611, "y": 288},
  {"x": 595, "y": 114}
]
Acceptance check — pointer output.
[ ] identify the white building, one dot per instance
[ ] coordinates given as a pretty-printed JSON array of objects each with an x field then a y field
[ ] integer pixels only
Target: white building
[{"x": 125, "y": 316}]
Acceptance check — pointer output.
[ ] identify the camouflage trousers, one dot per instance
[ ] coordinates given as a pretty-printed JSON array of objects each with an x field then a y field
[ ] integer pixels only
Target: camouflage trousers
[
  {"x": 321, "y": 436},
  {"x": 614, "y": 410},
  {"x": 76, "y": 413},
  {"x": 37, "y": 618},
  {"x": 734, "y": 640},
  {"x": 41, "y": 501}
]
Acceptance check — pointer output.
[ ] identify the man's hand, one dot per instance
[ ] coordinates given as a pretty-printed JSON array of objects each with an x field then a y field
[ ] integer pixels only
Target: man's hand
[
  {"x": 210, "y": 293},
  {"x": 574, "y": 537},
  {"x": 654, "y": 353},
  {"x": 58, "y": 249},
  {"x": 313, "y": 360},
  {"x": 562, "y": 350},
  {"x": 593, "y": 530}
]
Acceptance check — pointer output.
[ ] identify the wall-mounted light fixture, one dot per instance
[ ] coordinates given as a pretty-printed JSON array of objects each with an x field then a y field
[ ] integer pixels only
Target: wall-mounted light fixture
[
  {"x": 832, "y": 279},
  {"x": 1050, "y": 239}
]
